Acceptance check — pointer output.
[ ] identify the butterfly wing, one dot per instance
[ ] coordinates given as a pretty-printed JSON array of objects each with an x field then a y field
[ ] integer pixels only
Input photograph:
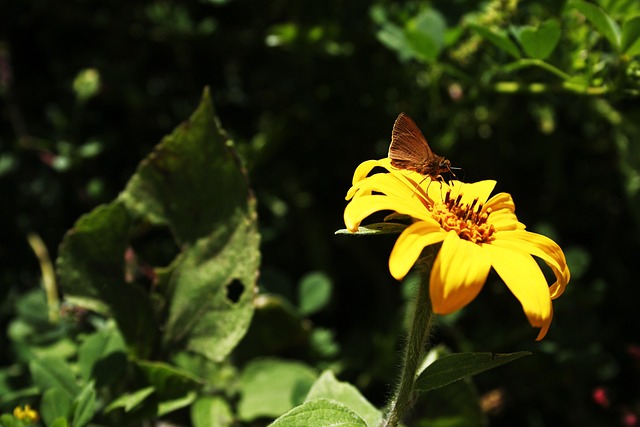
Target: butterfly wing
[{"x": 409, "y": 147}]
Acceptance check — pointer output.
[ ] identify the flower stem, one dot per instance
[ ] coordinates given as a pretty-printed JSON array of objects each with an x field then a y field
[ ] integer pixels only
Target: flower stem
[{"x": 416, "y": 347}]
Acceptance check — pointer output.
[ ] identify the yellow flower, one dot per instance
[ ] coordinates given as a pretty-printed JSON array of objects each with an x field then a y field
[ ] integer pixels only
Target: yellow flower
[
  {"x": 27, "y": 414},
  {"x": 477, "y": 233}
]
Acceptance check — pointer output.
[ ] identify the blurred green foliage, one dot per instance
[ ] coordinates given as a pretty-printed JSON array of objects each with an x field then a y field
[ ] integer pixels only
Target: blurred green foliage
[{"x": 541, "y": 96}]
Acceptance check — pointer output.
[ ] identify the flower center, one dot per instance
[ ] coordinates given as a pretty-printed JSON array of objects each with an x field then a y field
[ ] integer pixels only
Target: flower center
[{"x": 468, "y": 221}]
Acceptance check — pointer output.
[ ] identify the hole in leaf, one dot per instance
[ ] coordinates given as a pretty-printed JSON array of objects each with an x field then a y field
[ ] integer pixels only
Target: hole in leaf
[{"x": 234, "y": 290}]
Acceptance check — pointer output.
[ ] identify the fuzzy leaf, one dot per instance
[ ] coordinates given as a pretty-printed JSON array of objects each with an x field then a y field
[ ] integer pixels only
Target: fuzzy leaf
[
  {"x": 320, "y": 413},
  {"x": 328, "y": 387},
  {"x": 454, "y": 367}
]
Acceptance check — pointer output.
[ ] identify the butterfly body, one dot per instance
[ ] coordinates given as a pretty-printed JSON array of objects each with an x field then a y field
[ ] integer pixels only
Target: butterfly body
[{"x": 409, "y": 150}]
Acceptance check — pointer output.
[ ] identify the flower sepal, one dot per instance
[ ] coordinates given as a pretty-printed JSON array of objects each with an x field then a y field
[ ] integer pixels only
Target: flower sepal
[{"x": 377, "y": 228}]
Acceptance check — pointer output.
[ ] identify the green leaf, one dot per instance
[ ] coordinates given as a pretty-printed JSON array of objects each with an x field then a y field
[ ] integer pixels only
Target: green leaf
[
  {"x": 328, "y": 387},
  {"x": 102, "y": 357},
  {"x": 130, "y": 401},
  {"x": 167, "y": 380},
  {"x": 91, "y": 265},
  {"x": 192, "y": 184},
  {"x": 84, "y": 405},
  {"x": 378, "y": 228},
  {"x": 394, "y": 38},
  {"x": 453, "y": 367},
  {"x": 425, "y": 35},
  {"x": 168, "y": 406},
  {"x": 53, "y": 372},
  {"x": 630, "y": 42},
  {"x": 59, "y": 422},
  {"x": 541, "y": 41},
  {"x": 211, "y": 411},
  {"x": 270, "y": 387},
  {"x": 7, "y": 420},
  {"x": 603, "y": 23},
  {"x": 457, "y": 404},
  {"x": 320, "y": 413},
  {"x": 55, "y": 404},
  {"x": 314, "y": 292},
  {"x": 499, "y": 38},
  {"x": 277, "y": 326}
]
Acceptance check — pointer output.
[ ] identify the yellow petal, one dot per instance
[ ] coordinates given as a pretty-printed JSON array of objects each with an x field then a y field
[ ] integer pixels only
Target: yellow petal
[
  {"x": 410, "y": 244},
  {"x": 436, "y": 190},
  {"x": 543, "y": 248},
  {"x": 505, "y": 220},
  {"x": 385, "y": 183},
  {"x": 500, "y": 201},
  {"x": 524, "y": 278},
  {"x": 480, "y": 190},
  {"x": 361, "y": 207},
  {"x": 366, "y": 167},
  {"x": 459, "y": 272}
]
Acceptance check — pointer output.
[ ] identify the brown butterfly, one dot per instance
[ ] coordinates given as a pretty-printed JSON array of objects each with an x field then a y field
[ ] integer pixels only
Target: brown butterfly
[{"x": 409, "y": 150}]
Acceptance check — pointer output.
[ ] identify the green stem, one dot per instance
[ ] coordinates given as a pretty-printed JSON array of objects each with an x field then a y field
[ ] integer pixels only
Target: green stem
[
  {"x": 527, "y": 62},
  {"x": 48, "y": 275},
  {"x": 415, "y": 350}
]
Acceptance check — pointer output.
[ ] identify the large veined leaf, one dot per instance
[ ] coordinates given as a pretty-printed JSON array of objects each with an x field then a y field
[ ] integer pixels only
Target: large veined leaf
[
  {"x": 193, "y": 186},
  {"x": 320, "y": 413},
  {"x": 328, "y": 387}
]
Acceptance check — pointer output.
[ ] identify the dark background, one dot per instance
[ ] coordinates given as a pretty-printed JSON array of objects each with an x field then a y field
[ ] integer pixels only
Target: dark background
[{"x": 305, "y": 110}]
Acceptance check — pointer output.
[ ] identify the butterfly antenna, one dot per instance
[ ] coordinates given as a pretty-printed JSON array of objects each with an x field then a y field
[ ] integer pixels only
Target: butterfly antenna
[{"x": 454, "y": 175}]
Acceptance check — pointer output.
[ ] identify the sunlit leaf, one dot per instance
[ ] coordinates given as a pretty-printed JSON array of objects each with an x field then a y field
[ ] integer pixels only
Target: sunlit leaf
[
  {"x": 129, "y": 401},
  {"x": 52, "y": 372},
  {"x": 270, "y": 387},
  {"x": 328, "y": 387},
  {"x": 539, "y": 42},
  {"x": 211, "y": 411},
  {"x": 320, "y": 413},
  {"x": 603, "y": 23},
  {"x": 55, "y": 404},
  {"x": 425, "y": 34}
]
